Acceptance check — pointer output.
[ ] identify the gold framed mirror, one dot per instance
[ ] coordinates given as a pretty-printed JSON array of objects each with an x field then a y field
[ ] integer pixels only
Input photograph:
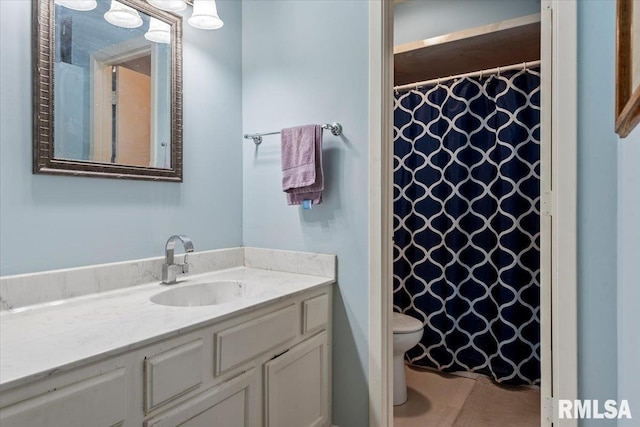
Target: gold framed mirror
[{"x": 107, "y": 98}]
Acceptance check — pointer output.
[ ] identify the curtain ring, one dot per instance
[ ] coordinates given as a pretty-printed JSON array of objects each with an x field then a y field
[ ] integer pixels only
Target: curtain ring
[
  {"x": 498, "y": 71},
  {"x": 481, "y": 74}
]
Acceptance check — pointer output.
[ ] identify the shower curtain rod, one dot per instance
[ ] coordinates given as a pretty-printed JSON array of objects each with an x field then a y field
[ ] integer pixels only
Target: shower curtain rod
[{"x": 480, "y": 73}]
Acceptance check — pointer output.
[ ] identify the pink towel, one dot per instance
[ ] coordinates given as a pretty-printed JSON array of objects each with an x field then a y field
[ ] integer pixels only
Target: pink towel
[{"x": 302, "y": 177}]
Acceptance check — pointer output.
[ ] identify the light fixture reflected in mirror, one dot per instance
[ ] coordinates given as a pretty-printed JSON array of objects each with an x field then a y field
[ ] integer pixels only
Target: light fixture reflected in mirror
[
  {"x": 205, "y": 12},
  {"x": 170, "y": 5},
  {"x": 81, "y": 5},
  {"x": 205, "y": 15},
  {"x": 159, "y": 32},
  {"x": 122, "y": 15}
]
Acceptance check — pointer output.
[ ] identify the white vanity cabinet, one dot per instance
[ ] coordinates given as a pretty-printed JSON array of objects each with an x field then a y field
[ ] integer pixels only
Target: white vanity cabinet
[{"x": 262, "y": 367}]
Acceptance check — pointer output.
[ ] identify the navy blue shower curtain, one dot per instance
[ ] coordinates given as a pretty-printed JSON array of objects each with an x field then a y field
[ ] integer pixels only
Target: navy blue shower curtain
[{"x": 466, "y": 223}]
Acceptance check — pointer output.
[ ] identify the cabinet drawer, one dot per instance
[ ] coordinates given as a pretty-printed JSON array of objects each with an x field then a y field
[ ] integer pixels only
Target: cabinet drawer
[
  {"x": 315, "y": 313},
  {"x": 172, "y": 373},
  {"x": 96, "y": 402},
  {"x": 238, "y": 344},
  {"x": 228, "y": 404}
]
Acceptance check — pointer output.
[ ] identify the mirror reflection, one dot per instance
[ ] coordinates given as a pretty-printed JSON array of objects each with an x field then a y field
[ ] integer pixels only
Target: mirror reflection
[{"x": 112, "y": 92}]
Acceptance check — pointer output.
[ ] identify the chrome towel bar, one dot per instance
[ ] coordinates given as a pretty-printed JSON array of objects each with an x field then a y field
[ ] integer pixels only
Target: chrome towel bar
[{"x": 335, "y": 128}]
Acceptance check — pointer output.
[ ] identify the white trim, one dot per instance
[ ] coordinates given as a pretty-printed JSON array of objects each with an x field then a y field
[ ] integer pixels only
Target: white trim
[
  {"x": 99, "y": 111},
  {"x": 126, "y": 51},
  {"x": 509, "y": 24},
  {"x": 563, "y": 208},
  {"x": 564, "y": 204},
  {"x": 380, "y": 212},
  {"x": 546, "y": 214}
]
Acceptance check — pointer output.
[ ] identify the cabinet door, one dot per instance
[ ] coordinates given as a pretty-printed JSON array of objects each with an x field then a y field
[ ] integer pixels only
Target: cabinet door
[
  {"x": 231, "y": 404},
  {"x": 297, "y": 386}
]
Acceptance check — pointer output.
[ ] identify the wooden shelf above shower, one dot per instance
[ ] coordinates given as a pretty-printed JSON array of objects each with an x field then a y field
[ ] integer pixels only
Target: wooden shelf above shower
[{"x": 489, "y": 46}]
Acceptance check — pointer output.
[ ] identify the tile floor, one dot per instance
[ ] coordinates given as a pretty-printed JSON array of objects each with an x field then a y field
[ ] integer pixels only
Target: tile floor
[{"x": 442, "y": 400}]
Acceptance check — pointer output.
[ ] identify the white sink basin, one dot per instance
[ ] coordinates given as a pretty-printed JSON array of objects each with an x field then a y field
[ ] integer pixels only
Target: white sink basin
[{"x": 210, "y": 293}]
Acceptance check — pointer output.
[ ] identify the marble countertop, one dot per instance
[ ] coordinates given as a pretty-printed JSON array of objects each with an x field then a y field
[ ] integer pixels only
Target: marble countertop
[{"x": 54, "y": 337}]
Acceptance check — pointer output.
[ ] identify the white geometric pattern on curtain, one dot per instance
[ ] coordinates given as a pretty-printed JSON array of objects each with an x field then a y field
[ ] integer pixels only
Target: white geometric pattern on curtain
[{"x": 466, "y": 223}]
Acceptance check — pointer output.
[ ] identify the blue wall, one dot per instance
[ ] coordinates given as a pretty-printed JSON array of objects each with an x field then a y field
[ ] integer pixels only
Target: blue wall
[
  {"x": 307, "y": 62},
  {"x": 609, "y": 224},
  {"x": 597, "y": 186},
  {"x": 422, "y": 19},
  {"x": 629, "y": 274},
  {"x": 51, "y": 222}
]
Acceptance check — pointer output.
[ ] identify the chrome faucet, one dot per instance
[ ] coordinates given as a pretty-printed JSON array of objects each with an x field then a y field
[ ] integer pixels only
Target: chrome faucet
[{"x": 170, "y": 270}]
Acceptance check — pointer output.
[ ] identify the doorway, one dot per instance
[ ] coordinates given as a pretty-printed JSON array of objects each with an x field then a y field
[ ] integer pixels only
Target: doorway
[
  {"x": 129, "y": 122},
  {"x": 557, "y": 211},
  {"x": 467, "y": 225}
]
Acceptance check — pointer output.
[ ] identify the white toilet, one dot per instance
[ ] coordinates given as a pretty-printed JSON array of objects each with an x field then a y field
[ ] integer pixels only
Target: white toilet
[{"x": 407, "y": 332}]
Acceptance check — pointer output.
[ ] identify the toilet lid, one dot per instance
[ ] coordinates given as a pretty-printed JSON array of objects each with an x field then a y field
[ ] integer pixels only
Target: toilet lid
[{"x": 403, "y": 324}]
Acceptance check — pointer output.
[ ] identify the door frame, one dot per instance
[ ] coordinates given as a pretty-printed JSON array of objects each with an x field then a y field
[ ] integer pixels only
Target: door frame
[
  {"x": 558, "y": 209},
  {"x": 100, "y": 63}
]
